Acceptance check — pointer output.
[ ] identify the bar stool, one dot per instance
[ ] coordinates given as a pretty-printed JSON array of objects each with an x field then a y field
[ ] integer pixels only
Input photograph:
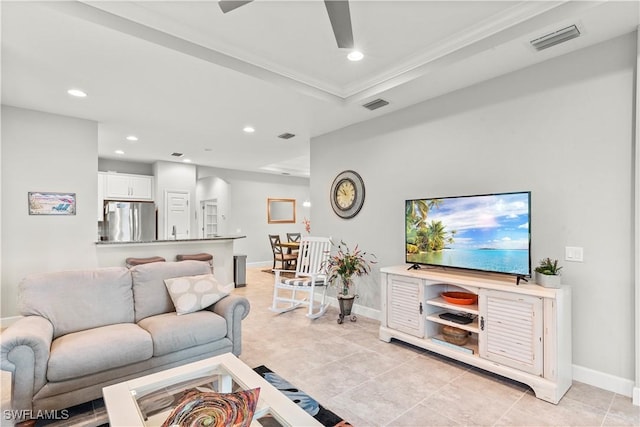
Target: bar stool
[
  {"x": 197, "y": 257},
  {"x": 132, "y": 262}
]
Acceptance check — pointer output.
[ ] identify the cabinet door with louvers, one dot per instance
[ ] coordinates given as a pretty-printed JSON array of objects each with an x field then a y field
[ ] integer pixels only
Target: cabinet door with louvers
[
  {"x": 511, "y": 330},
  {"x": 404, "y": 305}
]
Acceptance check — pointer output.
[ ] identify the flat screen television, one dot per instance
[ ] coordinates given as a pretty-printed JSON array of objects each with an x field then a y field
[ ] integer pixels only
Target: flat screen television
[{"x": 486, "y": 232}]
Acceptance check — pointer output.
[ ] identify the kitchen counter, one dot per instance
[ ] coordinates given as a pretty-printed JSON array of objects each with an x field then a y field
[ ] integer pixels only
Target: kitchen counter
[
  {"x": 138, "y": 242},
  {"x": 112, "y": 254}
]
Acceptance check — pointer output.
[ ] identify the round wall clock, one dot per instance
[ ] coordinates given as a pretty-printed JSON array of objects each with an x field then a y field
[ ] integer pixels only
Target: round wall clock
[{"x": 347, "y": 194}]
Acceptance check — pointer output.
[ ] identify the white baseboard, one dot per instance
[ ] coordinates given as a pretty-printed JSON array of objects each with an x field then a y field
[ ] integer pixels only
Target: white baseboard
[
  {"x": 636, "y": 396},
  {"x": 260, "y": 264},
  {"x": 604, "y": 381},
  {"x": 369, "y": 312}
]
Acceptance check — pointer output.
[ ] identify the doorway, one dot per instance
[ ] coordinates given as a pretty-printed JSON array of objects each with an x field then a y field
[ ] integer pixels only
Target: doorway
[
  {"x": 178, "y": 219},
  {"x": 209, "y": 218}
]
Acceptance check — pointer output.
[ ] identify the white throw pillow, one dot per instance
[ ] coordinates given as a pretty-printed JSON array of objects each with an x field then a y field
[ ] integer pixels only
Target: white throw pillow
[{"x": 193, "y": 293}]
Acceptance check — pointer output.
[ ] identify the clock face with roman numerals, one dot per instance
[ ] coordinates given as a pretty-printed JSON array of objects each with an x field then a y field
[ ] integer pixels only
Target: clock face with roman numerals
[{"x": 347, "y": 194}]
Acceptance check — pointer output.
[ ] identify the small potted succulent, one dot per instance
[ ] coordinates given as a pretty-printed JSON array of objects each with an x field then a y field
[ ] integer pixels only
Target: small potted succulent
[{"x": 548, "y": 273}]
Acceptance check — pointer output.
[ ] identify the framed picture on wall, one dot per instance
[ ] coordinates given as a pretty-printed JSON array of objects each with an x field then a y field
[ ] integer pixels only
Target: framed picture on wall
[{"x": 44, "y": 203}]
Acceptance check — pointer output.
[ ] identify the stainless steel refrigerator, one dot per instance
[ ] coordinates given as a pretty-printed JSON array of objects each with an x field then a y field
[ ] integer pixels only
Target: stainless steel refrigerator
[{"x": 130, "y": 221}]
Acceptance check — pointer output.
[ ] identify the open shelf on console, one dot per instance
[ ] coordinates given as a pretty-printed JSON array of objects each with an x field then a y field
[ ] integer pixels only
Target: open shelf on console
[
  {"x": 471, "y": 327},
  {"x": 440, "y": 302},
  {"x": 470, "y": 347}
]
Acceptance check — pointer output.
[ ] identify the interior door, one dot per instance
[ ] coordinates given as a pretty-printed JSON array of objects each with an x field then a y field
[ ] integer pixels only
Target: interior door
[{"x": 178, "y": 217}]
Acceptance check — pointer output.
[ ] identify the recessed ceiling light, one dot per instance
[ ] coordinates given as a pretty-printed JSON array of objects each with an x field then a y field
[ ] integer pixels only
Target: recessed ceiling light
[
  {"x": 355, "y": 55},
  {"x": 249, "y": 129},
  {"x": 132, "y": 138},
  {"x": 119, "y": 152},
  {"x": 186, "y": 160},
  {"x": 77, "y": 93}
]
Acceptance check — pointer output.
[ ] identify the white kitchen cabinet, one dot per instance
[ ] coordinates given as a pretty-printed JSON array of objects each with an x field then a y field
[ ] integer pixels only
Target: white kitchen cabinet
[
  {"x": 122, "y": 186},
  {"x": 517, "y": 331}
]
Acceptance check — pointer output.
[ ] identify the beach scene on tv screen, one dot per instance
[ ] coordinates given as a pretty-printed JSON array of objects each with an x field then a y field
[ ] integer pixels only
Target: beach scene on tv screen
[{"x": 488, "y": 232}]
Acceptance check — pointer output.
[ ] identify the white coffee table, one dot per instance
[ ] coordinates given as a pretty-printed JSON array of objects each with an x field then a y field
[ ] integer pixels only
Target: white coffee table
[{"x": 146, "y": 401}]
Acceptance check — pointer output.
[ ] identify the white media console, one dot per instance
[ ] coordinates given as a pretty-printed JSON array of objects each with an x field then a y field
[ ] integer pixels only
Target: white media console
[{"x": 522, "y": 332}]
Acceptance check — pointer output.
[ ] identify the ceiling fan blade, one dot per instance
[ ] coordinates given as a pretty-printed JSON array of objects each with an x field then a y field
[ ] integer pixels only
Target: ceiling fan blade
[
  {"x": 340, "y": 18},
  {"x": 229, "y": 5}
]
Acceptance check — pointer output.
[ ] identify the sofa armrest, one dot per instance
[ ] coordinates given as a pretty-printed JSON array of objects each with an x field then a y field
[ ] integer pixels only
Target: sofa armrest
[
  {"x": 24, "y": 351},
  {"x": 233, "y": 308}
]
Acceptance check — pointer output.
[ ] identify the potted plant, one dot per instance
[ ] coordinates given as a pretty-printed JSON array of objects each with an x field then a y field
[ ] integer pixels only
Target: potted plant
[
  {"x": 548, "y": 273},
  {"x": 342, "y": 267}
]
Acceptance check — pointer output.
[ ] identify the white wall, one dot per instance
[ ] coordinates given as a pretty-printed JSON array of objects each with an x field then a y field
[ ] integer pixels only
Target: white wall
[
  {"x": 120, "y": 166},
  {"x": 46, "y": 152},
  {"x": 248, "y": 194},
  {"x": 214, "y": 188},
  {"x": 562, "y": 129}
]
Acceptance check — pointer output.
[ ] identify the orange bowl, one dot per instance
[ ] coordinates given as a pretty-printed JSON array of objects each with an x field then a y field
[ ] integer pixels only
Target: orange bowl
[{"x": 460, "y": 298}]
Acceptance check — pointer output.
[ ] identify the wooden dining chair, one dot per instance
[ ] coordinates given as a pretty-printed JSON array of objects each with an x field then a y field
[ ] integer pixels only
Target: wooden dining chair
[
  {"x": 291, "y": 238},
  {"x": 310, "y": 275},
  {"x": 287, "y": 261}
]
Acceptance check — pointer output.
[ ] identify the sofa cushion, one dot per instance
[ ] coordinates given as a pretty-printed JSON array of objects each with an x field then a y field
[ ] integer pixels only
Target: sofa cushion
[
  {"x": 193, "y": 293},
  {"x": 76, "y": 300},
  {"x": 96, "y": 350},
  {"x": 149, "y": 291},
  {"x": 171, "y": 332}
]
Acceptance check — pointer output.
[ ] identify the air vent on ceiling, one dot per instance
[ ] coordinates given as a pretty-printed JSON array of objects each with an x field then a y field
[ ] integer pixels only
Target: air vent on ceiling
[
  {"x": 375, "y": 104},
  {"x": 555, "y": 38},
  {"x": 177, "y": 154},
  {"x": 286, "y": 135}
]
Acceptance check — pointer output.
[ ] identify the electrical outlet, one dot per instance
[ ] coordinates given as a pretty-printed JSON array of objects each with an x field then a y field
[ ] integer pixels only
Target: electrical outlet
[{"x": 573, "y": 253}]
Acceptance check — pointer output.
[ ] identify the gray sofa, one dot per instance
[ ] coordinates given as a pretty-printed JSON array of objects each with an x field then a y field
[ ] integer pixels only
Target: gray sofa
[{"x": 84, "y": 330}]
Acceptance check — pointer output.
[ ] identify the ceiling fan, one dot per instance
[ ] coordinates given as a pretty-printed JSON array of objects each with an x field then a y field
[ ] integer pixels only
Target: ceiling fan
[{"x": 338, "y": 11}]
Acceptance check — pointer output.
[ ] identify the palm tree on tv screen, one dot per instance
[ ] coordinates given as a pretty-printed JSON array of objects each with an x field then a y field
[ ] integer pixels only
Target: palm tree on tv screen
[
  {"x": 423, "y": 236},
  {"x": 417, "y": 212}
]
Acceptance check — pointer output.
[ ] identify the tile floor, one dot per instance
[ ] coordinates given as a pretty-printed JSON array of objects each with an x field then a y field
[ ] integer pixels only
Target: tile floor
[{"x": 372, "y": 383}]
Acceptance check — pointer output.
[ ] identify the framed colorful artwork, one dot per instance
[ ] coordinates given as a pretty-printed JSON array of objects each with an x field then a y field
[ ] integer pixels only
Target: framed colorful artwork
[{"x": 44, "y": 203}]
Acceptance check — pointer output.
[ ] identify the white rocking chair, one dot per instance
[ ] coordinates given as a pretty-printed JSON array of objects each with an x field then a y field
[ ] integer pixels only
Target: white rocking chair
[{"x": 308, "y": 276}]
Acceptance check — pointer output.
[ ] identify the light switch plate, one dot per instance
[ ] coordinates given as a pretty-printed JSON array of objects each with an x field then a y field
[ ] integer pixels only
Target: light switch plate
[{"x": 573, "y": 253}]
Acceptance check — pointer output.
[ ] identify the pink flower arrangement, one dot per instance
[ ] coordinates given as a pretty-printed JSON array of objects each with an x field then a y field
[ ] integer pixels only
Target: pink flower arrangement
[{"x": 307, "y": 225}]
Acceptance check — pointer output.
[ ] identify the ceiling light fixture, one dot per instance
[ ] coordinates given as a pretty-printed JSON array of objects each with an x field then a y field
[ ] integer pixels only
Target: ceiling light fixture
[
  {"x": 119, "y": 152},
  {"x": 355, "y": 55},
  {"x": 77, "y": 93},
  {"x": 249, "y": 129},
  {"x": 186, "y": 160},
  {"x": 132, "y": 138}
]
